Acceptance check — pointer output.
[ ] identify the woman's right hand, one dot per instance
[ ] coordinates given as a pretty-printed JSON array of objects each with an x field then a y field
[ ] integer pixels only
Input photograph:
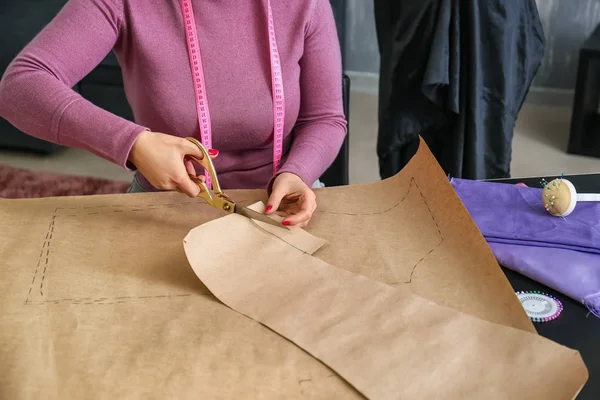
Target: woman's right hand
[{"x": 164, "y": 161}]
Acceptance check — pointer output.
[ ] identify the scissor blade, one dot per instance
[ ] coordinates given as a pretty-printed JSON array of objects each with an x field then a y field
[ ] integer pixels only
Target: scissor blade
[{"x": 246, "y": 212}]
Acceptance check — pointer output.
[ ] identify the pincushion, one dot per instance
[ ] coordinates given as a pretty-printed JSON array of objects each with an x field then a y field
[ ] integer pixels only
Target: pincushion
[{"x": 560, "y": 197}]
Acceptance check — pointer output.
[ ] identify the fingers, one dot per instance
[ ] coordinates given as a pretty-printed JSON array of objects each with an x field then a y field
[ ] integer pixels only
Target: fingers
[
  {"x": 167, "y": 161},
  {"x": 189, "y": 188},
  {"x": 292, "y": 195},
  {"x": 186, "y": 185},
  {"x": 278, "y": 193},
  {"x": 305, "y": 213},
  {"x": 189, "y": 167},
  {"x": 193, "y": 151},
  {"x": 189, "y": 149}
]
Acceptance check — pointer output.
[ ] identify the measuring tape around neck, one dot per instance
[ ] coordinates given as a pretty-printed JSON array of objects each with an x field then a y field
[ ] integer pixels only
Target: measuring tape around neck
[{"x": 204, "y": 120}]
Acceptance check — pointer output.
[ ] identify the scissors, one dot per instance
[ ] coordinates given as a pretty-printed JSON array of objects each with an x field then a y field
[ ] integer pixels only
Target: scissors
[{"x": 216, "y": 198}]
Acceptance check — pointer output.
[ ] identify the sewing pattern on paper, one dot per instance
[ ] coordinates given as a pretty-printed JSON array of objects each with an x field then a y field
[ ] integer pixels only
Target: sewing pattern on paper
[
  {"x": 43, "y": 269},
  {"x": 419, "y": 206},
  {"x": 37, "y": 292}
]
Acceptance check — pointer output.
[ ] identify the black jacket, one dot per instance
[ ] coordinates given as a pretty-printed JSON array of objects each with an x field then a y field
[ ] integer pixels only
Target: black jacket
[{"x": 455, "y": 72}]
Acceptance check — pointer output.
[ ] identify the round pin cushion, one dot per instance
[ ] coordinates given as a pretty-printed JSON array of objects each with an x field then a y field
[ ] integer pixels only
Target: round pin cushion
[{"x": 540, "y": 307}]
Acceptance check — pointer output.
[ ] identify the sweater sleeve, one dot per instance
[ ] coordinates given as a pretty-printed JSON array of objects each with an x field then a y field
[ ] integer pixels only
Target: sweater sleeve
[
  {"x": 36, "y": 92},
  {"x": 321, "y": 127}
]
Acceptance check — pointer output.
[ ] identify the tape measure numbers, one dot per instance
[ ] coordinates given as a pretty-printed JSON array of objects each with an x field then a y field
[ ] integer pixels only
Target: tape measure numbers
[{"x": 202, "y": 108}]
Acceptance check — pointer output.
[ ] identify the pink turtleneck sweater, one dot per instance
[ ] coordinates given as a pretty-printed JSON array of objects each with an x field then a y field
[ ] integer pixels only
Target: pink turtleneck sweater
[{"x": 149, "y": 41}]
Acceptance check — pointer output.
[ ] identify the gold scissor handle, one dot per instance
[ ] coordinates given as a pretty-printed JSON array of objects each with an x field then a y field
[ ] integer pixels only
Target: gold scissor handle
[
  {"x": 207, "y": 163},
  {"x": 216, "y": 197}
]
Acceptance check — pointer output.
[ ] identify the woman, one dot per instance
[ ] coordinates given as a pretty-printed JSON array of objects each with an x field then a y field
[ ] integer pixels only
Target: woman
[{"x": 236, "y": 71}]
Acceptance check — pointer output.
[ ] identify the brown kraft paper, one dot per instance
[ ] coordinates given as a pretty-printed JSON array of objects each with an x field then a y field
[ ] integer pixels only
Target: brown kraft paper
[
  {"x": 385, "y": 341},
  {"x": 98, "y": 299}
]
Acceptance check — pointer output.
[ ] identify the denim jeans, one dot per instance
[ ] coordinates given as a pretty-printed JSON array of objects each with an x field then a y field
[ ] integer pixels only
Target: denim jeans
[{"x": 135, "y": 186}]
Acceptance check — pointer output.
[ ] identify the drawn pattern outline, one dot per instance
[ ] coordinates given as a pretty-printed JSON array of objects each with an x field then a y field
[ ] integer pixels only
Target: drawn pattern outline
[{"x": 42, "y": 264}]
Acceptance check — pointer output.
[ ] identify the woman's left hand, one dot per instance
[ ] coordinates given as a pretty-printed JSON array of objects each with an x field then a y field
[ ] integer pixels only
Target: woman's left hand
[{"x": 293, "y": 197}]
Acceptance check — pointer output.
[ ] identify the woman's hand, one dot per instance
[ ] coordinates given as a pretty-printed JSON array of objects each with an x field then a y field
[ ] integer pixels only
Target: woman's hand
[
  {"x": 294, "y": 198},
  {"x": 164, "y": 162}
]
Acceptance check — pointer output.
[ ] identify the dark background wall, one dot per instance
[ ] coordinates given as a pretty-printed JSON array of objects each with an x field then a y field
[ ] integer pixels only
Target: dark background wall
[
  {"x": 362, "y": 54},
  {"x": 566, "y": 23},
  {"x": 340, "y": 15}
]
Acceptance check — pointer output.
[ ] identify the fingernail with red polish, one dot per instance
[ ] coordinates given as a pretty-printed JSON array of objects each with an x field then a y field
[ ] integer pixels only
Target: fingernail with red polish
[
  {"x": 286, "y": 223},
  {"x": 213, "y": 152},
  {"x": 269, "y": 208}
]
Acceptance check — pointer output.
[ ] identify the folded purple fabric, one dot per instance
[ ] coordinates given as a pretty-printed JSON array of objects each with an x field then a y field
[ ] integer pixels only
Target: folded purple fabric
[{"x": 561, "y": 253}]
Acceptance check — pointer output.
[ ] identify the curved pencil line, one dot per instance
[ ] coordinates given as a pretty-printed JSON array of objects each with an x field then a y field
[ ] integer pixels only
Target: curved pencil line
[
  {"x": 410, "y": 187},
  {"x": 137, "y": 207}
]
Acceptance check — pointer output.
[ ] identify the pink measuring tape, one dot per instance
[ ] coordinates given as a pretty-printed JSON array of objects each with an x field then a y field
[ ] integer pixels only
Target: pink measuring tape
[{"x": 200, "y": 85}]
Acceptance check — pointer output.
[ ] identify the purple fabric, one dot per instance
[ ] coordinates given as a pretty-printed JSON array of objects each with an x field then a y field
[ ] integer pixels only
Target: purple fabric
[{"x": 561, "y": 253}]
